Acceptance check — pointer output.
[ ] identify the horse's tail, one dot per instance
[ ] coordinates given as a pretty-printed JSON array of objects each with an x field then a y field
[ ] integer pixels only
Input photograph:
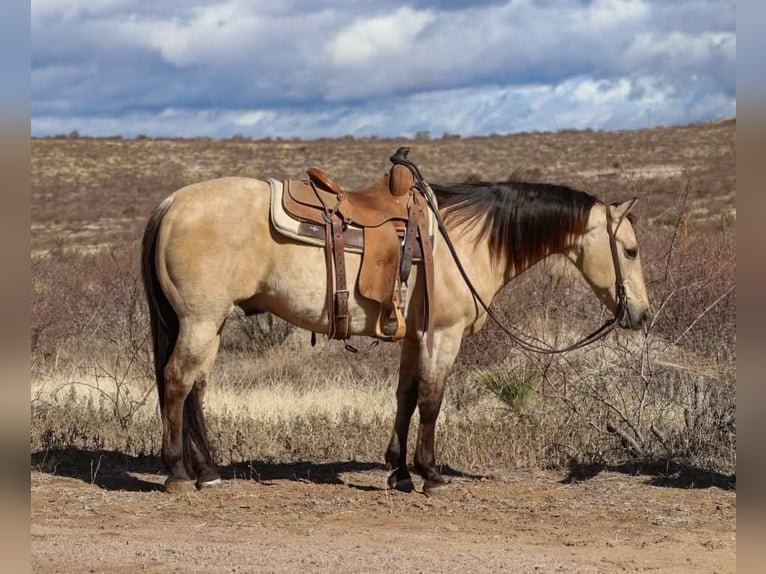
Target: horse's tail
[
  {"x": 164, "y": 326},
  {"x": 162, "y": 316}
]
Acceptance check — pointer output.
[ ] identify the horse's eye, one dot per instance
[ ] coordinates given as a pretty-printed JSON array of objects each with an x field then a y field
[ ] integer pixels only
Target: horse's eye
[{"x": 631, "y": 253}]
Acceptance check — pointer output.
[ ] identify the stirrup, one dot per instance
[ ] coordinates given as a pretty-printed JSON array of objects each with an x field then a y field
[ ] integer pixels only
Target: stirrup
[{"x": 394, "y": 328}]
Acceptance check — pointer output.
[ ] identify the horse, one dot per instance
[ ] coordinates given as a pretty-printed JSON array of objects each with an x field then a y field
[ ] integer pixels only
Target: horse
[{"x": 211, "y": 246}]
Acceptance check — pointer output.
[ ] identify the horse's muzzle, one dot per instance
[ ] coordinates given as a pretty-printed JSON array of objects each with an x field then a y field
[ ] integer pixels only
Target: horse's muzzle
[{"x": 635, "y": 319}]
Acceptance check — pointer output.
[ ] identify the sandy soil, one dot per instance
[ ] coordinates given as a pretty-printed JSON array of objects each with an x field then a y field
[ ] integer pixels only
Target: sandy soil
[{"x": 338, "y": 517}]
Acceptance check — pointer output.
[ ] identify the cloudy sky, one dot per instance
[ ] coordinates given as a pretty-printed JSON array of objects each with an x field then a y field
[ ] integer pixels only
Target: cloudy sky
[{"x": 311, "y": 68}]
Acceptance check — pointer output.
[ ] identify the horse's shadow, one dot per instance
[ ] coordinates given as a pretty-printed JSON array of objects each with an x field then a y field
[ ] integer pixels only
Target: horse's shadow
[
  {"x": 112, "y": 470},
  {"x": 665, "y": 474}
]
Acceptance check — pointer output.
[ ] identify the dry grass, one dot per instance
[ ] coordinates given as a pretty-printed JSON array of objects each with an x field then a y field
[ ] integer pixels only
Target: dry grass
[
  {"x": 668, "y": 396},
  {"x": 283, "y": 413}
]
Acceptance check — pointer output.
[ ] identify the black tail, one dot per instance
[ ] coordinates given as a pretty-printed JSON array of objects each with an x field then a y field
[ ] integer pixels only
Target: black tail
[
  {"x": 162, "y": 316},
  {"x": 164, "y": 325}
]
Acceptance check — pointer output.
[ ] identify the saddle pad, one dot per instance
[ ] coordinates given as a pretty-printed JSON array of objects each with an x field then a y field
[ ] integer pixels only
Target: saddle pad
[
  {"x": 306, "y": 232},
  {"x": 313, "y": 234}
]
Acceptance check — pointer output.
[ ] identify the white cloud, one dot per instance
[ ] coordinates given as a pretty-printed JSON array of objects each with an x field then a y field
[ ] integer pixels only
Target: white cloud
[
  {"x": 368, "y": 40},
  {"x": 254, "y": 118},
  {"x": 601, "y": 92},
  {"x": 609, "y": 14}
]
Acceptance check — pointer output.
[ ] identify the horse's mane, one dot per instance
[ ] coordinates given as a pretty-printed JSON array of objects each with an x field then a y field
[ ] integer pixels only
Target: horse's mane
[{"x": 522, "y": 221}]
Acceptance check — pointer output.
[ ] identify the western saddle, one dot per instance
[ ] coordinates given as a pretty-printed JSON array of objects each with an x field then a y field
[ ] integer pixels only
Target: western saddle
[{"x": 392, "y": 216}]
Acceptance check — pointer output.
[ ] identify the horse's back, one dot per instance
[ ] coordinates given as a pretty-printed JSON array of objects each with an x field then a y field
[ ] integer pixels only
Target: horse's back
[{"x": 235, "y": 191}]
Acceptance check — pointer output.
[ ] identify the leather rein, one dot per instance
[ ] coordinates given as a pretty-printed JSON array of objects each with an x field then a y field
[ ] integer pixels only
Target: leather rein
[{"x": 521, "y": 342}]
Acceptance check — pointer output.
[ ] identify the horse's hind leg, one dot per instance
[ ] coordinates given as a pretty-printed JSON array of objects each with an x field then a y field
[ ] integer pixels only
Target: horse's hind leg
[
  {"x": 406, "y": 400},
  {"x": 201, "y": 458},
  {"x": 194, "y": 352}
]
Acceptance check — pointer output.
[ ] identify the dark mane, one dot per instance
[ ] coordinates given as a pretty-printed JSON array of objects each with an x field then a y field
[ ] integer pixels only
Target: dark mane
[{"x": 522, "y": 221}]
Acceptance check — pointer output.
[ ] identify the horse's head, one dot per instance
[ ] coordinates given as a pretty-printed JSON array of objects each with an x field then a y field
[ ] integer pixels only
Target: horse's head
[{"x": 608, "y": 256}]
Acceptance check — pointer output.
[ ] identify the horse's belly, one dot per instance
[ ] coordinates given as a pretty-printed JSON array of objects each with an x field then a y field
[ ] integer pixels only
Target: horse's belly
[{"x": 296, "y": 290}]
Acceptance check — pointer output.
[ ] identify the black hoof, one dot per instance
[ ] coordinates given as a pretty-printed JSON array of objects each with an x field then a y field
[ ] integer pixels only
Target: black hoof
[
  {"x": 400, "y": 484},
  {"x": 404, "y": 485}
]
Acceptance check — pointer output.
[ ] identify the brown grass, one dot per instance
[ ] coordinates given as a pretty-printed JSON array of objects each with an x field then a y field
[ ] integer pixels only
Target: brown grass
[{"x": 668, "y": 396}]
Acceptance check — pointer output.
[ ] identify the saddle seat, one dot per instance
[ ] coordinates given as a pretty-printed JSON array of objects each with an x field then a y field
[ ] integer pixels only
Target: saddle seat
[{"x": 371, "y": 206}]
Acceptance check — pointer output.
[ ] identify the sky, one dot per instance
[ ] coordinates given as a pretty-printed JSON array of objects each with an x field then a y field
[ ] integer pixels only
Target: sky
[{"x": 309, "y": 69}]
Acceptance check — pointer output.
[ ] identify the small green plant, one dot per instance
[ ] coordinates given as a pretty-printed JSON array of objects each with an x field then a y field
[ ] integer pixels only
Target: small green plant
[{"x": 514, "y": 389}]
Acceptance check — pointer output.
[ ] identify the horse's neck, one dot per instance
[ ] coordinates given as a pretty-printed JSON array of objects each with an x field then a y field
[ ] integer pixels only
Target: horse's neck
[
  {"x": 490, "y": 275},
  {"x": 486, "y": 274},
  {"x": 511, "y": 272}
]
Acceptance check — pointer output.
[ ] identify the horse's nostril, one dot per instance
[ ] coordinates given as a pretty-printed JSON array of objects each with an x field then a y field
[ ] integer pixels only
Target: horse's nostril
[{"x": 645, "y": 319}]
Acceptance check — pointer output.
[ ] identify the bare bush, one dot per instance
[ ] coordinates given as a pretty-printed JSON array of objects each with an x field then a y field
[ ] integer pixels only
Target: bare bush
[
  {"x": 668, "y": 394},
  {"x": 256, "y": 334},
  {"x": 89, "y": 319}
]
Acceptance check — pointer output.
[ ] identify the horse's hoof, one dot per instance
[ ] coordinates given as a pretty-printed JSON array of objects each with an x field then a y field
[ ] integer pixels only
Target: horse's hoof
[
  {"x": 402, "y": 485},
  {"x": 435, "y": 487},
  {"x": 208, "y": 479},
  {"x": 211, "y": 483},
  {"x": 179, "y": 486}
]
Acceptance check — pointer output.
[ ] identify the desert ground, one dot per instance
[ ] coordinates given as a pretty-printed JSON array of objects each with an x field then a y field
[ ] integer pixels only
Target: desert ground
[{"x": 339, "y": 517}]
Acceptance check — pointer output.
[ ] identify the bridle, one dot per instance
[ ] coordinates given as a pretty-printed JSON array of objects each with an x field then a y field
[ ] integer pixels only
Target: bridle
[
  {"x": 620, "y": 291},
  {"x": 619, "y": 282}
]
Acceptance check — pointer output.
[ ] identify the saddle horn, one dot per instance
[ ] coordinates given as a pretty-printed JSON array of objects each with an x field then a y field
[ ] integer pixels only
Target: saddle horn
[{"x": 400, "y": 179}]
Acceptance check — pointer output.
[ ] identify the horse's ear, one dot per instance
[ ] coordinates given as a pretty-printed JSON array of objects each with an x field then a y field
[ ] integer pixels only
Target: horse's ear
[{"x": 621, "y": 210}]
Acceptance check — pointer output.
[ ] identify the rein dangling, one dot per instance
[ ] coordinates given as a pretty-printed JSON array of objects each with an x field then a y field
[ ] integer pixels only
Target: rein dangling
[{"x": 400, "y": 157}]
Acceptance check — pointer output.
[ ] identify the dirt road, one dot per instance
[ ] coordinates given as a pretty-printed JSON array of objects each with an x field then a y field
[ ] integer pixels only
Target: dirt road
[{"x": 339, "y": 518}]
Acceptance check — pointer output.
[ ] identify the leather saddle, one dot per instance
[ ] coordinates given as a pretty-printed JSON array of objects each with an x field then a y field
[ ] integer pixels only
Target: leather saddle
[
  {"x": 383, "y": 201},
  {"x": 392, "y": 216}
]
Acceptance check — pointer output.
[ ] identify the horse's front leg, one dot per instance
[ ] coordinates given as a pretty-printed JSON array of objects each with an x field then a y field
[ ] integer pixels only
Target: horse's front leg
[
  {"x": 406, "y": 401},
  {"x": 433, "y": 376}
]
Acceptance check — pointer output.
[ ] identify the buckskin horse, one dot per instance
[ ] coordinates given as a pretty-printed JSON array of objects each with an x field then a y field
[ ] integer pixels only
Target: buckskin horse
[{"x": 213, "y": 245}]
